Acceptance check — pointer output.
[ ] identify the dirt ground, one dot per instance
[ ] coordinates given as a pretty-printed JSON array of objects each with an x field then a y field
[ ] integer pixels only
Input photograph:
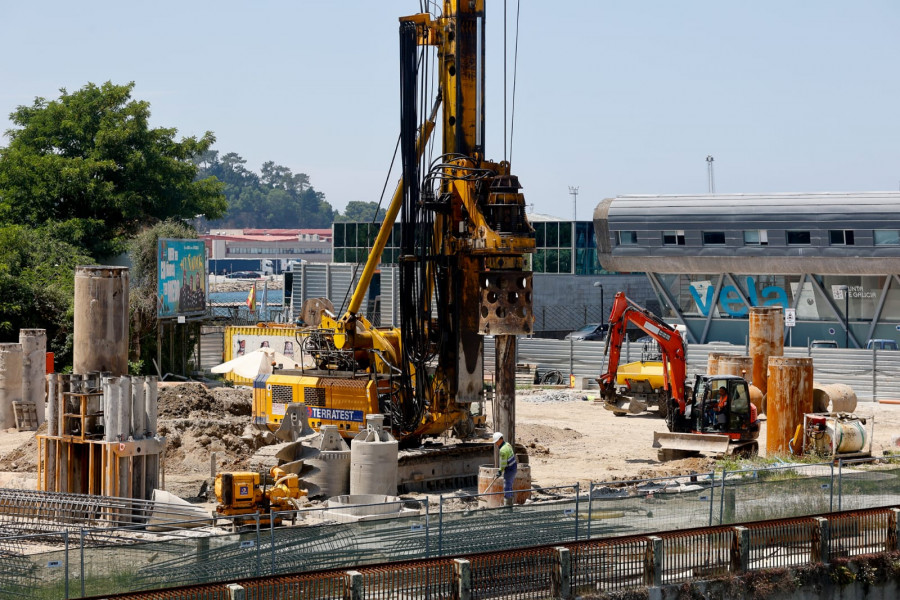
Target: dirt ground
[{"x": 569, "y": 437}]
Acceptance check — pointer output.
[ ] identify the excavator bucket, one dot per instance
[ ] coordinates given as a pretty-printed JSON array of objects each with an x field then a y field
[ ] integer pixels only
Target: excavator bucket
[{"x": 676, "y": 445}]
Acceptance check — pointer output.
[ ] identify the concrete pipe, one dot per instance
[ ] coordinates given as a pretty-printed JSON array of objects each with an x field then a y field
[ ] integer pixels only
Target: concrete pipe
[
  {"x": 766, "y": 340},
  {"x": 373, "y": 460},
  {"x": 11, "y": 358},
  {"x": 789, "y": 397},
  {"x": 34, "y": 363},
  {"x": 833, "y": 397},
  {"x": 101, "y": 320}
]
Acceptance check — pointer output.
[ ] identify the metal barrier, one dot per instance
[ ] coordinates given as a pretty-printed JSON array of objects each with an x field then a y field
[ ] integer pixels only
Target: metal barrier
[
  {"x": 581, "y": 567},
  {"x": 514, "y": 574},
  {"x": 100, "y": 560},
  {"x": 609, "y": 565},
  {"x": 689, "y": 555}
]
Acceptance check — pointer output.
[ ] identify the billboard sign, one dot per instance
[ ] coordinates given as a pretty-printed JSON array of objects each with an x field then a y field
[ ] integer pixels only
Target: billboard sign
[{"x": 181, "y": 266}]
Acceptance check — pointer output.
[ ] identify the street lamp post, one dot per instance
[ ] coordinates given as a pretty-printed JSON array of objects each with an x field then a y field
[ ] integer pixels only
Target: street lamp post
[
  {"x": 846, "y": 291},
  {"x": 597, "y": 284}
]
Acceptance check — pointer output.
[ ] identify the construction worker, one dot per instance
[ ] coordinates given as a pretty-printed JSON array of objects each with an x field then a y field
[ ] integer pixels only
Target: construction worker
[
  {"x": 720, "y": 406},
  {"x": 507, "y": 468}
]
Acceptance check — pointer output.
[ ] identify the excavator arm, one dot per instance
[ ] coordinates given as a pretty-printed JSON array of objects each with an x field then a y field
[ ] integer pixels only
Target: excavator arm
[{"x": 674, "y": 355}]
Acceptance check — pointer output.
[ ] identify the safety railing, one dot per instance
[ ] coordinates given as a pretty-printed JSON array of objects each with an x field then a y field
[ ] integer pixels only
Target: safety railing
[
  {"x": 578, "y": 568},
  {"x": 104, "y": 559},
  {"x": 609, "y": 565},
  {"x": 782, "y": 544},
  {"x": 692, "y": 555}
]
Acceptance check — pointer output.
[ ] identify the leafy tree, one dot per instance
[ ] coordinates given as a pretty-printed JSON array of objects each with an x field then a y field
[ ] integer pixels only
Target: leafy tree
[
  {"x": 361, "y": 212},
  {"x": 37, "y": 285},
  {"x": 143, "y": 285},
  {"x": 276, "y": 198},
  {"x": 89, "y": 159}
]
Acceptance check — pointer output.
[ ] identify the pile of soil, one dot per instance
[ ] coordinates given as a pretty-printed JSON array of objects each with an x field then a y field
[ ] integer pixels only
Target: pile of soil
[
  {"x": 23, "y": 458},
  {"x": 197, "y": 421}
]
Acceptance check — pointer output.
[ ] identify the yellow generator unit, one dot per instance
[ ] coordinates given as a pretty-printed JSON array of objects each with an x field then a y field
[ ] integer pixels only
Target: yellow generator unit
[
  {"x": 237, "y": 493},
  {"x": 240, "y": 493}
]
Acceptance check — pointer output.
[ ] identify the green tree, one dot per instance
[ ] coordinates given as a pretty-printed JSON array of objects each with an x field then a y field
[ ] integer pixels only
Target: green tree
[
  {"x": 37, "y": 285},
  {"x": 90, "y": 160},
  {"x": 276, "y": 198},
  {"x": 361, "y": 212}
]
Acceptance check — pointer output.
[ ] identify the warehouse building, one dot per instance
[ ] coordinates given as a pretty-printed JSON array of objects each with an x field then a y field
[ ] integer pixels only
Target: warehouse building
[{"x": 832, "y": 259}]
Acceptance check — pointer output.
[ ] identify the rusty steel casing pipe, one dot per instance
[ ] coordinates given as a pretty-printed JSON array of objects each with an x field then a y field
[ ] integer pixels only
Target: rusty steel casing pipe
[
  {"x": 789, "y": 396},
  {"x": 712, "y": 362},
  {"x": 734, "y": 364},
  {"x": 766, "y": 340}
]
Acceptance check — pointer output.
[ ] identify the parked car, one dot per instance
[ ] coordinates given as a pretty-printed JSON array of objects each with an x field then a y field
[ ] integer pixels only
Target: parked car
[
  {"x": 823, "y": 344},
  {"x": 243, "y": 275},
  {"x": 881, "y": 345},
  {"x": 591, "y": 331}
]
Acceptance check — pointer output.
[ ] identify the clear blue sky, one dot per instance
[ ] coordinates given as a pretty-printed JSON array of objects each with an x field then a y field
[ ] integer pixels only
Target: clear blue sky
[{"x": 612, "y": 97}]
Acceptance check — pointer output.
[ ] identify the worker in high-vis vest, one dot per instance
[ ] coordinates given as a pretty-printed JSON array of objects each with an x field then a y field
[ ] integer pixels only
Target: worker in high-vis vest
[{"x": 507, "y": 468}]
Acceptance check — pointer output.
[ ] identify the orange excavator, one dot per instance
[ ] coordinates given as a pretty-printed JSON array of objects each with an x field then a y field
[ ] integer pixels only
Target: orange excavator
[
  {"x": 714, "y": 416},
  {"x": 646, "y": 382}
]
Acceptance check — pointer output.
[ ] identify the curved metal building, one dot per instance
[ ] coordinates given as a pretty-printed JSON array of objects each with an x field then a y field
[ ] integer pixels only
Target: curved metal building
[{"x": 832, "y": 257}]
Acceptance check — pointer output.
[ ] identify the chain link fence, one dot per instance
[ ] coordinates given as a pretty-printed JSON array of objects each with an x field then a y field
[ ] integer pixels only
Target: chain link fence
[{"x": 85, "y": 562}]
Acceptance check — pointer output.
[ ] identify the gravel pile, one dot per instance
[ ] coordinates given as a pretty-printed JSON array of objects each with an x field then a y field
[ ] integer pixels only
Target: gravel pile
[{"x": 540, "y": 396}]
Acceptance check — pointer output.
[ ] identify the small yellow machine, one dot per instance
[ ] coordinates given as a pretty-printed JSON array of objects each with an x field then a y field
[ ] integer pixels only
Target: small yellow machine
[{"x": 240, "y": 493}]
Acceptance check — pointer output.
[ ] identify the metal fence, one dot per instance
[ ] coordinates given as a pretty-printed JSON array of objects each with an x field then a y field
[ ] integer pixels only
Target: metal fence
[
  {"x": 873, "y": 374},
  {"x": 95, "y": 561},
  {"x": 580, "y": 568}
]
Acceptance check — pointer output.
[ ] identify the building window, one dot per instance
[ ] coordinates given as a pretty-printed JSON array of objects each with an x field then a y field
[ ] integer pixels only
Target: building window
[
  {"x": 673, "y": 238},
  {"x": 798, "y": 238},
  {"x": 756, "y": 237},
  {"x": 841, "y": 237},
  {"x": 713, "y": 238},
  {"x": 626, "y": 238},
  {"x": 887, "y": 237}
]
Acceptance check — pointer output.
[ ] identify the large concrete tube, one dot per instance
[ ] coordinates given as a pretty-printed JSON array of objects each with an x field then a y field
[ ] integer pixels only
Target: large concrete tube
[
  {"x": 138, "y": 408},
  {"x": 712, "y": 362},
  {"x": 373, "y": 460},
  {"x": 10, "y": 383},
  {"x": 101, "y": 320},
  {"x": 766, "y": 339},
  {"x": 833, "y": 397},
  {"x": 123, "y": 426},
  {"x": 111, "y": 403},
  {"x": 151, "y": 399},
  {"x": 789, "y": 397},
  {"x": 34, "y": 363}
]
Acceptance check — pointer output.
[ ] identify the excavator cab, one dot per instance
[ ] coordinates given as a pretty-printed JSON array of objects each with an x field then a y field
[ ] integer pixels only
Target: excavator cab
[{"x": 721, "y": 404}]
